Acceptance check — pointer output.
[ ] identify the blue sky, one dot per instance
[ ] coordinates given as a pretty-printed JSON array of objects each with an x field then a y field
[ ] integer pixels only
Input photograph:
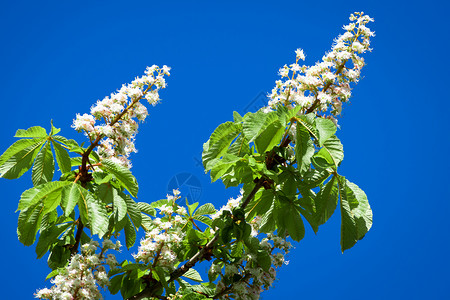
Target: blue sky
[{"x": 58, "y": 58}]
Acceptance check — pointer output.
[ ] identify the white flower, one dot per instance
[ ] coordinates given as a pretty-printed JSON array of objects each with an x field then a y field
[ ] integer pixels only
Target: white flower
[{"x": 299, "y": 54}]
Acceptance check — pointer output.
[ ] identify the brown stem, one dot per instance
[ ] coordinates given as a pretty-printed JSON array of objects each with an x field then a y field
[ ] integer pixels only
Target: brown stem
[{"x": 74, "y": 248}]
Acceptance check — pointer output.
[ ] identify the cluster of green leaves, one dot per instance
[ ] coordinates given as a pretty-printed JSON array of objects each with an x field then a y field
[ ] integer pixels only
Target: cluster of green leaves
[
  {"x": 299, "y": 168},
  {"x": 132, "y": 278},
  {"x": 54, "y": 208}
]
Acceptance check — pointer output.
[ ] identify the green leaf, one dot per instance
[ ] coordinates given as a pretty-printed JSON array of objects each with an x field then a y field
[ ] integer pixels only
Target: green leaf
[
  {"x": 193, "y": 275},
  {"x": 52, "y": 201},
  {"x": 270, "y": 137},
  {"x": 36, "y": 194},
  {"x": 44, "y": 166},
  {"x": 115, "y": 284},
  {"x": 263, "y": 259},
  {"x": 237, "y": 117},
  {"x": 49, "y": 237},
  {"x": 254, "y": 123},
  {"x": 130, "y": 234},
  {"x": 62, "y": 157},
  {"x": 314, "y": 178},
  {"x": 32, "y": 132},
  {"x": 293, "y": 223},
  {"x": 122, "y": 174},
  {"x": 120, "y": 207},
  {"x": 222, "y": 166},
  {"x": 29, "y": 223},
  {"x": 261, "y": 204},
  {"x": 53, "y": 274},
  {"x": 356, "y": 213},
  {"x": 205, "y": 209},
  {"x": 70, "y": 196},
  {"x": 54, "y": 130},
  {"x": 58, "y": 257},
  {"x": 72, "y": 144},
  {"x": 146, "y": 208},
  {"x": 335, "y": 149},
  {"x": 93, "y": 212},
  {"x": 268, "y": 220},
  {"x": 18, "y": 158},
  {"x": 304, "y": 149},
  {"x": 219, "y": 142},
  {"x": 326, "y": 201},
  {"x": 133, "y": 211},
  {"x": 240, "y": 147},
  {"x": 325, "y": 129}
]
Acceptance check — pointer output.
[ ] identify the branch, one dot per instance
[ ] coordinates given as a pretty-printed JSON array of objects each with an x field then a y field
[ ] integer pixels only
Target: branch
[{"x": 74, "y": 248}]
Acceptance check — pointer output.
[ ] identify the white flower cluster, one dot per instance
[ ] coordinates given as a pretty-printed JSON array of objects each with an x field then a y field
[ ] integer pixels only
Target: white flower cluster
[
  {"x": 232, "y": 203},
  {"x": 119, "y": 113},
  {"x": 326, "y": 85},
  {"x": 254, "y": 279},
  {"x": 85, "y": 272},
  {"x": 165, "y": 236}
]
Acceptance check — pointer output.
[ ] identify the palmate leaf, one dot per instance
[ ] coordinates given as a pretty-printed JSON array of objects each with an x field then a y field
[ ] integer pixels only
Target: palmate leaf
[
  {"x": 18, "y": 158},
  {"x": 122, "y": 174},
  {"x": 44, "y": 166},
  {"x": 356, "y": 213}
]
